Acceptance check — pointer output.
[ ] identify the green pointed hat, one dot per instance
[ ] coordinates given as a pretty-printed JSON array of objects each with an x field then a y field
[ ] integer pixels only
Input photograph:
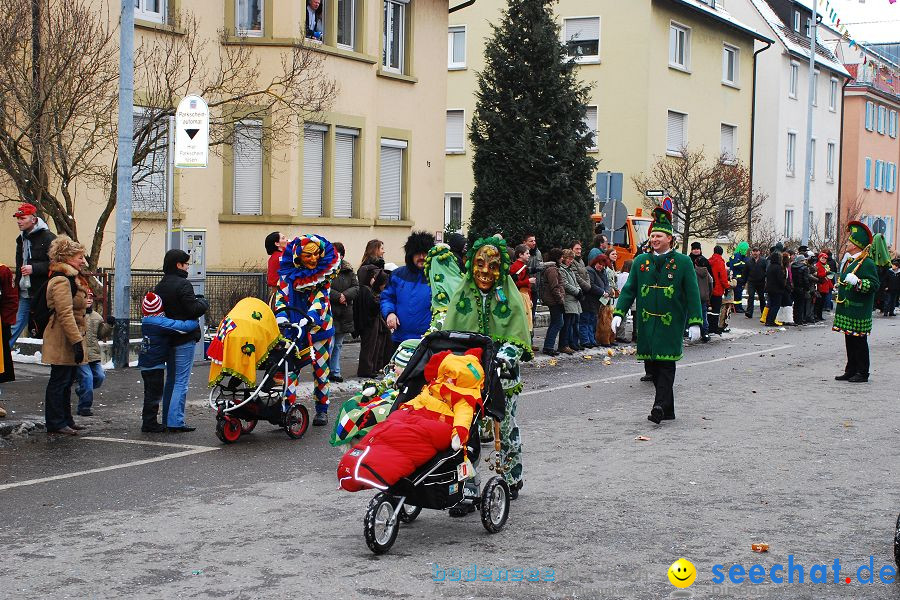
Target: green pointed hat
[
  {"x": 662, "y": 221},
  {"x": 860, "y": 234}
]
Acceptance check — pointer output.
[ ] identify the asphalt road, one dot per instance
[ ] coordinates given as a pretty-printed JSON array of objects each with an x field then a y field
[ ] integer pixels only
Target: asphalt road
[{"x": 766, "y": 448}]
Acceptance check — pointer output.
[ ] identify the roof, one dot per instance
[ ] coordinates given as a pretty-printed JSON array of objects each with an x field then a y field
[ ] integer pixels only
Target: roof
[
  {"x": 723, "y": 16},
  {"x": 796, "y": 43}
]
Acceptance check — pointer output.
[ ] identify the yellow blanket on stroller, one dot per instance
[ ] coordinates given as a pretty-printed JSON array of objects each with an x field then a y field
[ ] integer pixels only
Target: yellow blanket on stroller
[{"x": 243, "y": 341}]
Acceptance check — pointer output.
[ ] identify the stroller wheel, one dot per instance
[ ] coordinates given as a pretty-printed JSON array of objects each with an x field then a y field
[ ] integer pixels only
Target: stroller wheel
[
  {"x": 495, "y": 504},
  {"x": 248, "y": 426},
  {"x": 380, "y": 527},
  {"x": 408, "y": 513},
  {"x": 296, "y": 421},
  {"x": 228, "y": 428},
  {"x": 897, "y": 543}
]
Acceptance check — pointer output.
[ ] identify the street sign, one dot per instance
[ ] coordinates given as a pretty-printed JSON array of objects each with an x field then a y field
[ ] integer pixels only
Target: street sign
[
  {"x": 609, "y": 186},
  {"x": 192, "y": 133},
  {"x": 615, "y": 213},
  {"x": 655, "y": 193}
]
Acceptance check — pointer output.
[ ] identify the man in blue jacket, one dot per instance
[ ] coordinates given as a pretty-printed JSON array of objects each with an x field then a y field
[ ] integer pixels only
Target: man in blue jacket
[{"x": 406, "y": 301}]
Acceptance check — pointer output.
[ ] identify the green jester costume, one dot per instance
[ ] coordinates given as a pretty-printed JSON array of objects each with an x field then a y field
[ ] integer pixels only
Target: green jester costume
[{"x": 664, "y": 285}]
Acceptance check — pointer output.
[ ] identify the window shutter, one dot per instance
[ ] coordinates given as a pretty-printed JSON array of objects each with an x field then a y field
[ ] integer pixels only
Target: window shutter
[
  {"x": 868, "y": 173},
  {"x": 675, "y": 132},
  {"x": 344, "y": 155},
  {"x": 728, "y": 141},
  {"x": 248, "y": 165},
  {"x": 582, "y": 29},
  {"x": 313, "y": 168},
  {"x": 456, "y": 130},
  {"x": 391, "y": 182}
]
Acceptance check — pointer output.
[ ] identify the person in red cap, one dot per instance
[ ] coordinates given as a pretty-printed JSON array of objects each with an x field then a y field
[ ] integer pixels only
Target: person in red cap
[
  {"x": 32, "y": 263},
  {"x": 157, "y": 329},
  {"x": 9, "y": 303}
]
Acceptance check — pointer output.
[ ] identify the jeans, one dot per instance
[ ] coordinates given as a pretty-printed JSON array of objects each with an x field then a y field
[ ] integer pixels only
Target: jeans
[
  {"x": 704, "y": 327},
  {"x": 829, "y": 301},
  {"x": 90, "y": 377},
  {"x": 334, "y": 361},
  {"x": 587, "y": 325},
  {"x": 178, "y": 375},
  {"x": 555, "y": 327},
  {"x": 58, "y": 398},
  {"x": 22, "y": 318},
  {"x": 753, "y": 291},
  {"x": 889, "y": 303},
  {"x": 569, "y": 335}
]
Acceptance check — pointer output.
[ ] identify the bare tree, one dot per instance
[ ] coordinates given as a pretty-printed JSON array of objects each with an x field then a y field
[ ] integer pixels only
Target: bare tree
[
  {"x": 852, "y": 210},
  {"x": 63, "y": 128},
  {"x": 711, "y": 197}
]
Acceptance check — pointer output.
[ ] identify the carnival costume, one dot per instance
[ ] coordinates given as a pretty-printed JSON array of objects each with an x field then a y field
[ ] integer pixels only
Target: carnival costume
[
  {"x": 308, "y": 265},
  {"x": 488, "y": 303},
  {"x": 668, "y": 298},
  {"x": 444, "y": 278},
  {"x": 855, "y": 299}
]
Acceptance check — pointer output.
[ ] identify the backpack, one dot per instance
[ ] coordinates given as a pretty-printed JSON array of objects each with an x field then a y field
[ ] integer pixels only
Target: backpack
[{"x": 40, "y": 312}]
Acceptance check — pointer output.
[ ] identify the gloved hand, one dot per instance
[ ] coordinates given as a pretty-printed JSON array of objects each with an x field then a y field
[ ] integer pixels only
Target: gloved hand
[
  {"x": 616, "y": 322},
  {"x": 851, "y": 279},
  {"x": 694, "y": 333},
  {"x": 458, "y": 437},
  {"x": 78, "y": 349},
  {"x": 455, "y": 442}
]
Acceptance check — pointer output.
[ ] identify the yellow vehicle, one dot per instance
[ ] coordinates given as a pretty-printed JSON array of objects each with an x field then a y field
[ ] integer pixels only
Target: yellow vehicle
[{"x": 630, "y": 237}]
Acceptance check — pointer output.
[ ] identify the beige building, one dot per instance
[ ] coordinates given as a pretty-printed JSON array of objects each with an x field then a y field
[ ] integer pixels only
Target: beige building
[
  {"x": 664, "y": 74},
  {"x": 370, "y": 167}
]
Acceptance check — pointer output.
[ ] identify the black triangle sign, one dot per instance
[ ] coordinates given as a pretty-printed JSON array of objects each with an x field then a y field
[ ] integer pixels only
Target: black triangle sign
[{"x": 192, "y": 132}]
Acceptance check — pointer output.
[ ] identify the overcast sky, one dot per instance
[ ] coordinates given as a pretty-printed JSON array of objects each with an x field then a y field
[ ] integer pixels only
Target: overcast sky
[{"x": 854, "y": 13}]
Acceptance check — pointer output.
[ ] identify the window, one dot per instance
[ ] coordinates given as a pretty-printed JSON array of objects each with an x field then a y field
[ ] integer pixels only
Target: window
[
  {"x": 249, "y": 21},
  {"x": 815, "y": 98},
  {"x": 868, "y": 173},
  {"x": 582, "y": 38},
  {"x": 789, "y": 223},
  {"x": 346, "y": 24},
  {"x": 791, "y": 153},
  {"x": 832, "y": 95},
  {"x": 590, "y": 121},
  {"x": 892, "y": 124},
  {"x": 344, "y": 196},
  {"x": 829, "y": 226},
  {"x": 456, "y": 132},
  {"x": 390, "y": 190},
  {"x": 730, "y": 64},
  {"x": 456, "y": 47},
  {"x": 248, "y": 168},
  {"x": 795, "y": 75},
  {"x": 729, "y": 133},
  {"x": 676, "y": 138},
  {"x": 797, "y": 21},
  {"x": 148, "y": 177},
  {"x": 394, "y": 52},
  {"x": 881, "y": 115},
  {"x": 870, "y": 116},
  {"x": 150, "y": 10},
  {"x": 829, "y": 161},
  {"x": 812, "y": 158},
  {"x": 314, "y": 170},
  {"x": 453, "y": 213},
  {"x": 879, "y": 175},
  {"x": 679, "y": 46}
]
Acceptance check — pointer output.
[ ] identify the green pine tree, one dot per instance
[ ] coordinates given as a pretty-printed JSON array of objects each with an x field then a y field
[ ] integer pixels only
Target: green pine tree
[{"x": 531, "y": 168}]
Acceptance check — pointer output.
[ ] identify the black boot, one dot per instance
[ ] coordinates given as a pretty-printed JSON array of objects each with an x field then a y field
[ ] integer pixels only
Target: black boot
[
  {"x": 858, "y": 378},
  {"x": 656, "y": 414},
  {"x": 845, "y": 377}
]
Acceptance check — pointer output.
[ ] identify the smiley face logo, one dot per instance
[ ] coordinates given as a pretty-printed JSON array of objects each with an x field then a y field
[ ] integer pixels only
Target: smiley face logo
[{"x": 682, "y": 573}]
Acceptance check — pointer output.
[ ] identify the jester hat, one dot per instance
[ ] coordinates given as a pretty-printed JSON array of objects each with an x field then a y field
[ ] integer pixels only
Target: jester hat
[{"x": 291, "y": 267}]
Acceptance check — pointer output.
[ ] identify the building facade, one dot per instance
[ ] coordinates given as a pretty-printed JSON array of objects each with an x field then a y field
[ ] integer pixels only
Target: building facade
[
  {"x": 371, "y": 166},
  {"x": 685, "y": 80},
  {"x": 782, "y": 101}
]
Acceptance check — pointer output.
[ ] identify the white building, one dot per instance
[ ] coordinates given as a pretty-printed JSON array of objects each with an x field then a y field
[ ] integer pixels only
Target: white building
[{"x": 780, "y": 151}]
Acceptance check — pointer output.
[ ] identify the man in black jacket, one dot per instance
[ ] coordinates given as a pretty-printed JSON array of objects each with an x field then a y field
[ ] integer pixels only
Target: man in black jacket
[
  {"x": 755, "y": 277},
  {"x": 32, "y": 263},
  {"x": 180, "y": 303}
]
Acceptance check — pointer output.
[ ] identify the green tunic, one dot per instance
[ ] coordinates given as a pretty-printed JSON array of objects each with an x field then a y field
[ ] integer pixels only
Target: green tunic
[
  {"x": 854, "y": 304},
  {"x": 668, "y": 299}
]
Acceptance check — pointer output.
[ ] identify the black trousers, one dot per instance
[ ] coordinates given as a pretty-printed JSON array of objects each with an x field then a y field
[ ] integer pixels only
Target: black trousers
[
  {"x": 154, "y": 384},
  {"x": 715, "y": 307},
  {"x": 58, "y": 398},
  {"x": 663, "y": 372},
  {"x": 755, "y": 290},
  {"x": 857, "y": 355},
  {"x": 774, "y": 305}
]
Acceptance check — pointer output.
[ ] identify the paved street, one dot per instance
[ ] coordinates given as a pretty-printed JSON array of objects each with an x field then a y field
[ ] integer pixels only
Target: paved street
[{"x": 766, "y": 448}]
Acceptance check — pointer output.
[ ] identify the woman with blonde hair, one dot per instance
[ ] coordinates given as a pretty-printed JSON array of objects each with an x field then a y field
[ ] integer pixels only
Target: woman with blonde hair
[{"x": 63, "y": 350}]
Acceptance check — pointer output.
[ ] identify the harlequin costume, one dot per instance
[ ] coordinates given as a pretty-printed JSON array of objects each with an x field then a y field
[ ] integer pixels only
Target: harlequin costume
[
  {"x": 435, "y": 420},
  {"x": 308, "y": 265},
  {"x": 855, "y": 298},
  {"x": 668, "y": 298},
  {"x": 444, "y": 277},
  {"x": 488, "y": 303}
]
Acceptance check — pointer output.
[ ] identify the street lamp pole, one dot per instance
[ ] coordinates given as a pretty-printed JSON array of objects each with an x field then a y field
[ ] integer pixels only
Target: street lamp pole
[{"x": 807, "y": 176}]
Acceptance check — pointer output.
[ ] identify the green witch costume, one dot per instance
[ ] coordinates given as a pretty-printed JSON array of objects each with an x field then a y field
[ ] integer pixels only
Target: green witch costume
[
  {"x": 488, "y": 303},
  {"x": 444, "y": 277}
]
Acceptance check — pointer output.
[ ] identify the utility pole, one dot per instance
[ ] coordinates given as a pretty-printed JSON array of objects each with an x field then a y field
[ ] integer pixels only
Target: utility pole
[
  {"x": 809, "y": 124},
  {"x": 122, "y": 287}
]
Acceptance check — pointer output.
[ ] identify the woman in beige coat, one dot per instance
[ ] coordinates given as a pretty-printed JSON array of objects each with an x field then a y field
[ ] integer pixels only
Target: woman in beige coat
[{"x": 64, "y": 335}]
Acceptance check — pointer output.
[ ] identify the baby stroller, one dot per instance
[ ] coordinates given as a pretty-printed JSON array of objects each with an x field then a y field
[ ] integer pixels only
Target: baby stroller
[
  {"x": 248, "y": 340},
  {"x": 441, "y": 483}
]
